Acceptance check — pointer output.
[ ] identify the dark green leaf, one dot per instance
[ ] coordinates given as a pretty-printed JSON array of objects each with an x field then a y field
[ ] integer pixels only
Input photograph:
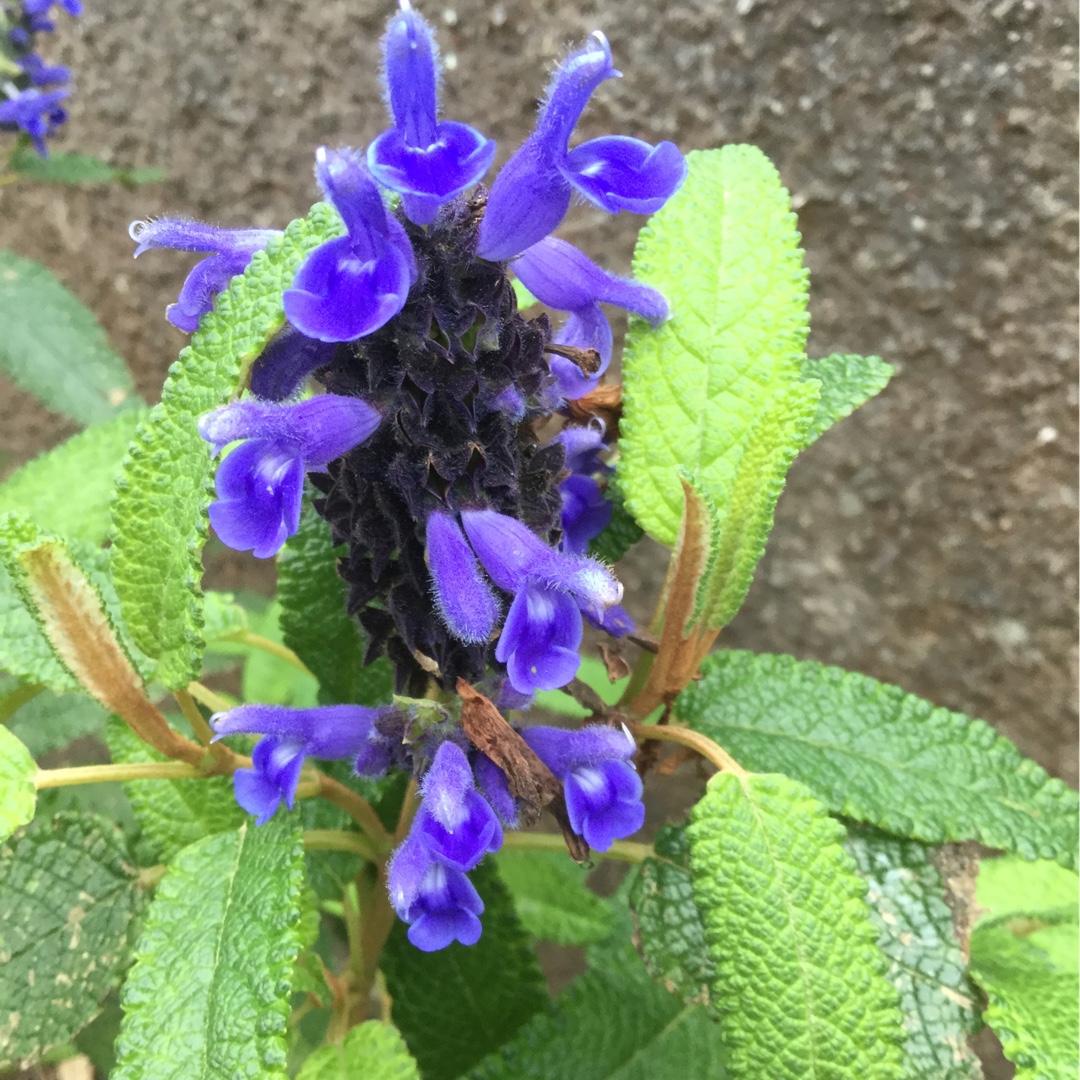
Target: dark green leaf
[
  {"x": 53, "y": 347},
  {"x": 314, "y": 622},
  {"x": 65, "y": 168},
  {"x": 50, "y": 721},
  {"x": 926, "y": 965},
  {"x": 551, "y": 898},
  {"x": 800, "y": 983},
  {"x": 208, "y": 995},
  {"x": 456, "y": 1005},
  {"x": 68, "y": 901},
  {"x": 874, "y": 753},
  {"x": 670, "y": 931},
  {"x": 159, "y": 512}
]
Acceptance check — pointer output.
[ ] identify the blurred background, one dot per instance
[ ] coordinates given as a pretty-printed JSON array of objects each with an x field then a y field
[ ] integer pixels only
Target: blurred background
[{"x": 930, "y": 149}]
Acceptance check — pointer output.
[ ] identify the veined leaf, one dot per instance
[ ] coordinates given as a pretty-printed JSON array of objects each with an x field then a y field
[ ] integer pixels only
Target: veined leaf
[
  {"x": 551, "y": 898},
  {"x": 456, "y": 1005},
  {"x": 173, "y": 813},
  {"x": 314, "y": 622},
  {"x": 847, "y": 381},
  {"x": 54, "y": 348},
  {"x": 68, "y": 901},
  {"x": 1032, "y": 1006},
  {"x": 612, "y": 1023},
  {"x": 725, "y": 253},
  {"x": 874, "y": 753},
  {"x": 159, "y": 512},
  {"x": 670, "y": 930},
  {"x": 915, "y": 932},
  {"x": 49, "y": 721},
  {"x": 800, "y": 983},
  {"x": 208, "y": 995},
  {"x": 18, "y": 795},
  {"x": 67, "y": 168},
  {"x": 373, "y": 1051},
  {"x": 67, "y": 490}
]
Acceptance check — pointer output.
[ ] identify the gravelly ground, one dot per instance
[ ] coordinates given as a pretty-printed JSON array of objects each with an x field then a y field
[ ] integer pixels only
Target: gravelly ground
[{"x": 930, "y": 149}]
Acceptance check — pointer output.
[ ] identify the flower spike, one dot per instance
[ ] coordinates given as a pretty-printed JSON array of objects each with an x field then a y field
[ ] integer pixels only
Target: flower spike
[
  {"x": 350, "y": 286},
  {"x": 532, "y": 193},
  {"x": 428, "y": 162},
  {"x": 260, "y": 483}
]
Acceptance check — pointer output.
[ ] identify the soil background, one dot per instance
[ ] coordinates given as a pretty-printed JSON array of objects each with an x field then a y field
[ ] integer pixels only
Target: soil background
[{"x": 930, "y": 149}]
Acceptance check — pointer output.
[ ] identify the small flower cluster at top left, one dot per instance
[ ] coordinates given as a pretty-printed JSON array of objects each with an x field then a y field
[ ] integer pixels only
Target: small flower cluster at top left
[{"x": 31, "y": 89}]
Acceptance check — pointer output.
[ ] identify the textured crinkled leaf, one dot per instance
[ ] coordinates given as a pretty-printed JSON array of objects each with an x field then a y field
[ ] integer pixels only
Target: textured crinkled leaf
[
  {"x": 670, "y": 932},
  {"x": 613, "y": 1023},
  {"x": 847, "y": 381},
  {"x": 458, "y": 1004},
  {"x": 874, "y": 753},
  {"x": 222, "y": 616},
  {"x": 800, "y": 984},
  {"x": 68, "y": 901},
  {"x": 49, "y": 721},
  {"x": 1032, "y": 1006},
  {"x": 1014, "y": 886},
  {"x": 551, "y": 899},
  {"x": 159, "y": 512},
  {"x": 373, "y": 1051},
  {"x": 18, "y": 795},
  {"x": 621, "y": 533},
  {"x": 172, "y": 813},
  {"x": 314, "y": 622},
  {"x": 915, "y": 931},
  {"x": 68, "y": 168},
  {"x": 208, "y": 995},
  {"x": 725, "y": 253},
  {"x": 53, "y": 347},
  {"x": 67, "y": 490}
]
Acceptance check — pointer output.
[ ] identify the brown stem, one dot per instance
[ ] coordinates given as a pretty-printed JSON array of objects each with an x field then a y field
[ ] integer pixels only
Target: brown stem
[
  {"x": 202, "y": 729},
  {"x": 357, "y": 807},
  {"x": 685, "y": 736}
]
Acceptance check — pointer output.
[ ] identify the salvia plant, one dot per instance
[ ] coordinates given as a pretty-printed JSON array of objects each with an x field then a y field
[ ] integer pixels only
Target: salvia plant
[{"x": 347, "y": 815}]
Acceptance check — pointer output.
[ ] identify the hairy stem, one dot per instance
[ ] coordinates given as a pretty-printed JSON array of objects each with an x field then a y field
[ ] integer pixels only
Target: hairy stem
[
  {"x": 202, "y": 729},
  {"x": 339, "y": 840},
  {"x": 620, "y": 850},
  {"x": 101, "y": 774},
  {"x": 358, "y": 808},
  {"x": 205, "y": 696},
  {"x": 274, "y": 648},
  {"x": 702, "y": 744}
]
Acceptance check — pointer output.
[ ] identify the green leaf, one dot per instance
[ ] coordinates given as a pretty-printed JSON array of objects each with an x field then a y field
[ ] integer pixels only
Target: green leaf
[
  {"x": 53, "y": 347},
  {"x": 373, "y": 1051},
  {"x": 613, "y": 1023},
  {"x": 271, "y": 679},
  {"x": 314, "y": 622},
  {"x": 68, "y": 903},
  {"x": 670, "y": 931},
  {"x": 67, "y": 490},
  {"x": 208, "y": 995},
  {"x": 50, "y": 721},
  {"x": 456, "y": 1005},
  {"x": 800, "y": 983},
  {"x": 915, "y": 931},
  {"x": 876, "y": 754},
  {"x": 1032, "y": 1006},
  {"x": 65, "y": 168},
  {"x": 18, "y": 795},
  {"x": 621, "y": 533},
  {"x": 172, "y": 813},
  {"x": 847, "y": 381},
  {"x": 551, "y": 898},
  {"x": 223, "y": 616},
  {"x": 159, "y": 512},
  {"x": 725, "y": 253}
]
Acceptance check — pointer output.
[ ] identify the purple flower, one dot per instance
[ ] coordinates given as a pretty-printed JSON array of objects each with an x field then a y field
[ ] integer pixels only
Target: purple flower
[
  {"x": 532, "y": 192},
  {"x": 42, "y": 74},
  {"x": 439, "y": 903},
  {"x": 283, "y": 366},
  {"x": 333, "y": 731},
  {"x": 603, "y": 790},
  {"x": 455, "y": 822},
  {"x": 230, "y": 252},
  {"x": 491, "y": 782},
  {"x": 427, "y": 161},
  {"x": 36, "y": 112},
  {"x": 562, "y": 277},
  {"x": 542, "y": 632},
  {"x": 261, "y": 482},
  {"x": 41, "y": 7},
  {"x": 350, "y": 286},
  {"x": 463, "y": 598},
  {"x": 585, "y": 512}
]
